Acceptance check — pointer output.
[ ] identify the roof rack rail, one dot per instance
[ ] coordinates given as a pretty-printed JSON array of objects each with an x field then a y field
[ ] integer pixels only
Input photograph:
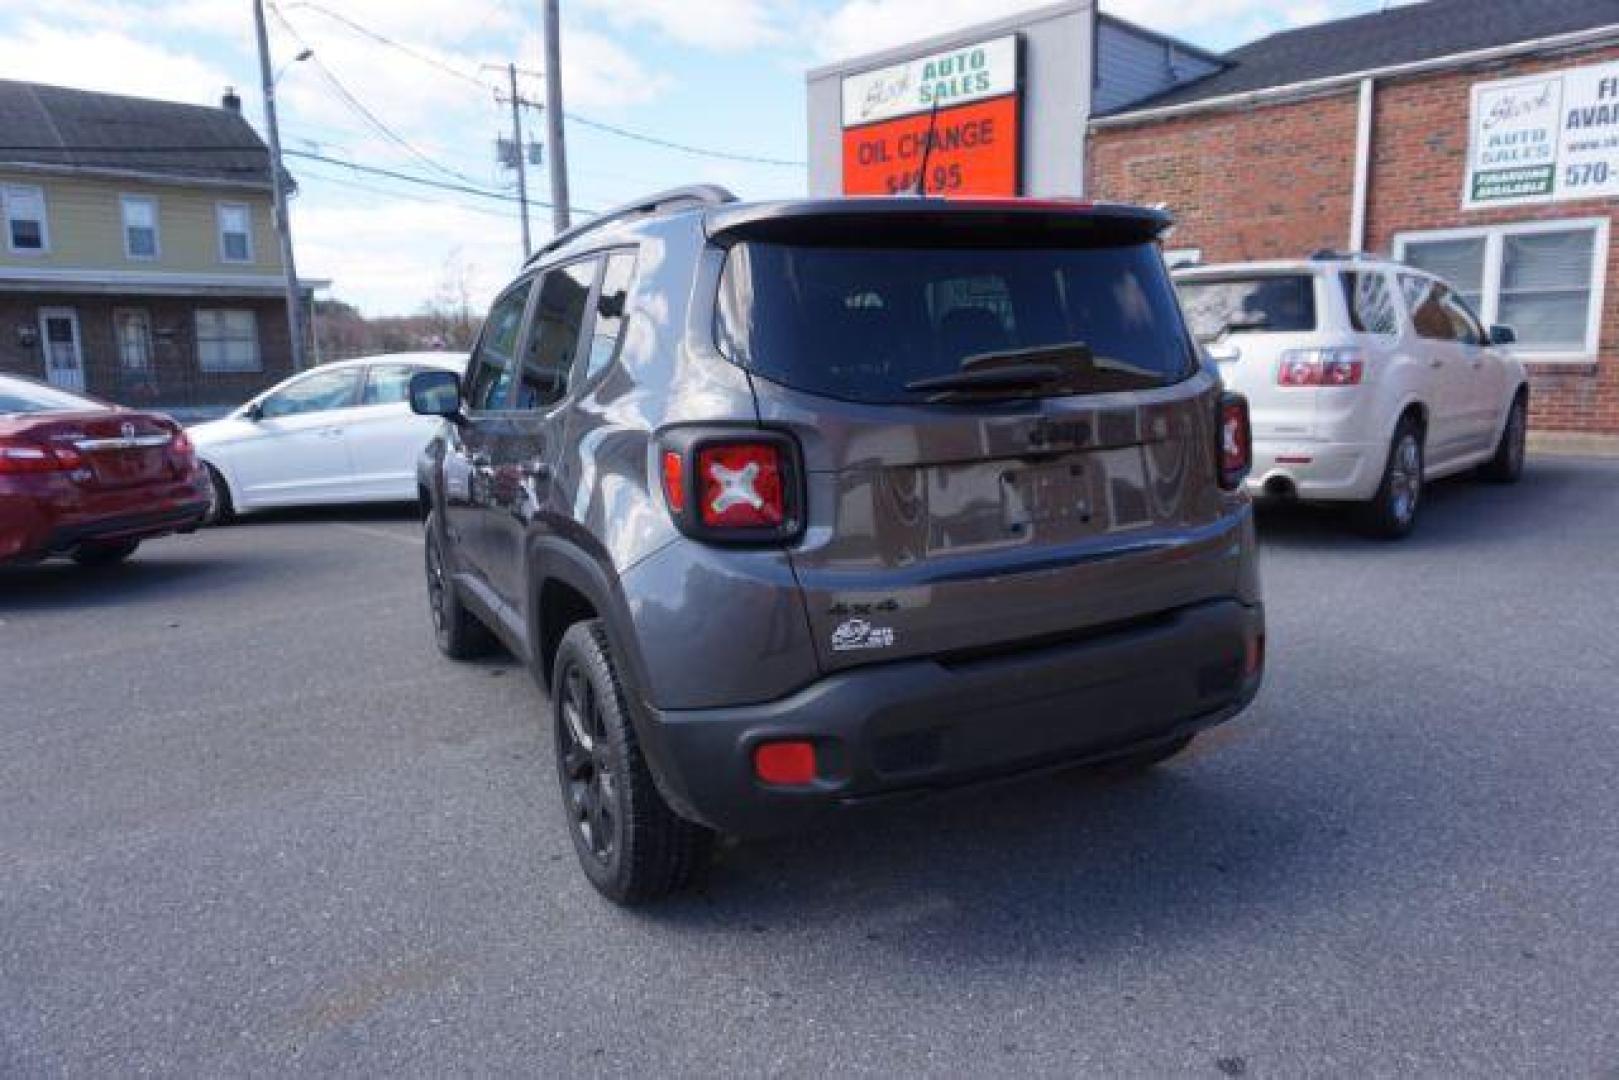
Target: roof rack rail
[
  {"x": 1330, "y": 254},
  {"x": 663, "y": 202}
]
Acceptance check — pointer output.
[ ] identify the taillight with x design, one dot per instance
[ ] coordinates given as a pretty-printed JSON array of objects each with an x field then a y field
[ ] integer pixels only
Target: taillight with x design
[{"x": 737, "y": 486}]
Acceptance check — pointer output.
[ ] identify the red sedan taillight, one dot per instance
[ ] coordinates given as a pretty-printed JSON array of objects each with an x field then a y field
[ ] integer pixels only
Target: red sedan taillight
[
  {"x": 733, "y": 487},
  {"x": 26, "y": 456},
  {"x": 1236, "y": 449},
  {"x": 182, "y": 455}
]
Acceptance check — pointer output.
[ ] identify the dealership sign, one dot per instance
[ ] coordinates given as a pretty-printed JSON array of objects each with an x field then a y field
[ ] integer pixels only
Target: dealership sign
[
  {"x": 968, "y": 96},
  {"x": 1544, "y": 138}
]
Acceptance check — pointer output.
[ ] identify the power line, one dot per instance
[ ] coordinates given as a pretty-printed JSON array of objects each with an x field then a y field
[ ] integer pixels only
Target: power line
[
  {"x": 421, "y": 180},
  {"x": 359, "y": 107},
  {"x": 383, "y": 39},
  {"x": 625, "y": 133},
  {"x": 323, "y": 178},
  {"x": 685, "y": 148}
]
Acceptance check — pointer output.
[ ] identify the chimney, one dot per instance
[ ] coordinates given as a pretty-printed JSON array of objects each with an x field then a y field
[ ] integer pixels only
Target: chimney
[{"x": 231, "y": 100}]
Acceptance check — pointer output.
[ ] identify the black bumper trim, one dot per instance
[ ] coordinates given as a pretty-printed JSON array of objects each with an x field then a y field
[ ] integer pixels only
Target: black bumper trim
[
  {"x": 128, "y": 527},
  {"x": 913, "y": 727}
]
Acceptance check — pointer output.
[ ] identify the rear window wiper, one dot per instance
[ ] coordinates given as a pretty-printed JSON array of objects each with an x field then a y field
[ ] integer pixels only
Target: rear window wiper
[
  {"x": 1029, "y": 368},
  {"x": 1009, "y": 377}
]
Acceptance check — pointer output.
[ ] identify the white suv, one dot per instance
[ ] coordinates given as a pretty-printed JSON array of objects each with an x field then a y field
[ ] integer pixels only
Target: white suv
[{"x": 1365, "y": 377}]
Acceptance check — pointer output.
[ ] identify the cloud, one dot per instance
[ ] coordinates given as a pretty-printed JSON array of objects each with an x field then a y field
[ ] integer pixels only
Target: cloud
[
  {"x": 720, "y": 25},
  {"x": 112, "y": 62},
  {"x": 597, "y": 72},
  {"x": 864, "y": 26}
]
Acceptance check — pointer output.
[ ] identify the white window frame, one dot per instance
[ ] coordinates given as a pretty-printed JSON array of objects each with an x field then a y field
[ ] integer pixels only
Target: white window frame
[
  {"x": 1490, "y": 290},
  {"x": 38, "y": 192},
  {"x": 258, "y": 345},
  {"x": 219, "y": 222},
  {"x": 124, "y": 202},
  {"x": 118, "y": 339}
]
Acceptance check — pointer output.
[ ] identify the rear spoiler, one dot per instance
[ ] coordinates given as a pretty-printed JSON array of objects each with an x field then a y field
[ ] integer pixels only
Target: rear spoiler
[{"x": 925, "y": 222}]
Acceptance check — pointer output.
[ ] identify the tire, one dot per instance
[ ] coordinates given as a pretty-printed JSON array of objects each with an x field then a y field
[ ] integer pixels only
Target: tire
[
  {"x": 1392, "y": 512},
  {"x": 105, "y": 554},
  {"x": 631, "y": 845},
  {"x": 1506, "y": 467},
  {"x": 221, "y": 511},
  {"x": 459, "y": 634},
  {"x": 1142, "y": 760}
]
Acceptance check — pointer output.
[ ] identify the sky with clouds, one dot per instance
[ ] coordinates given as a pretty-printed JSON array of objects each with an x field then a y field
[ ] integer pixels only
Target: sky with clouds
[{"x": 726, "y": 75}]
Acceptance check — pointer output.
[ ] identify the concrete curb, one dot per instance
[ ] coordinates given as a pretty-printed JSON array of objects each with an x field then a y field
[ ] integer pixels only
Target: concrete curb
[{"x": 1573, "y": 444}]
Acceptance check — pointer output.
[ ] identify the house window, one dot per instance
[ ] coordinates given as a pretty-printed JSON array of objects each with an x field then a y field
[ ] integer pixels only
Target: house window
[
  {"x": 140, "y": 226},
  {"x": 1544, "y": 279},
  {"x": 26, "y": 230},
  {"x": 235, "y": 233},
  {"x": 133, "y": 329},
  {"x": 227, "y": 340}
]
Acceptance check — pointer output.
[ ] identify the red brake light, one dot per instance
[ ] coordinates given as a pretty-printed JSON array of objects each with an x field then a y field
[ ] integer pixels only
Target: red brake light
[
  {"x": 23, "y": 456},
  {"x": 741, "y": 486},
  {"x": 1236, "y": 441},
  {"x": 674, "y": 480},
  {"x": 785, "y": 763},
  {"x": 1321, "y": 367}
]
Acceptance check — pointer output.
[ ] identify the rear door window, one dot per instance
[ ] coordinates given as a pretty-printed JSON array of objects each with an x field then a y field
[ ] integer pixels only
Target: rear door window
[
  {"x": 1370, "y": 302},
  {"x": 862, "y": 323},
  {"x": 1261, "y": 303},
  {"x": 552, "y": 340},
  {"x": 1437, "y": 313}
]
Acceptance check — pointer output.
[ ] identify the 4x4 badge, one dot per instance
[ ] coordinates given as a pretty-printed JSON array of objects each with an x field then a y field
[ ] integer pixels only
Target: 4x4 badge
[{"x": 854, "y": 634}]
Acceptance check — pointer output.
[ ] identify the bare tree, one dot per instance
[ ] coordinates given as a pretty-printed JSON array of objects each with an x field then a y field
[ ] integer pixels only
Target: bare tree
[{"x": 449, "y": 316}]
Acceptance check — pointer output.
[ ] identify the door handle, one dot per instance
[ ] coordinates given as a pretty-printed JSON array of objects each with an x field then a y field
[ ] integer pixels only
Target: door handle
[
  {"x": 332, "y": 433},
  {"x": 1436, "y": 363}
]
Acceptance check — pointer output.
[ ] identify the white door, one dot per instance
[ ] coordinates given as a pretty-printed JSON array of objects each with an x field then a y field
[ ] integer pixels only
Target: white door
[
  {"x": 385, "y": 438},
  {"x": 298, "y": 451},
  {"x": 63, "y": 348}
]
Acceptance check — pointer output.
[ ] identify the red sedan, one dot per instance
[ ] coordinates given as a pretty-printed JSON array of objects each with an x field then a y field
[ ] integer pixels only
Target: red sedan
[{"x": 89, "y": 480}]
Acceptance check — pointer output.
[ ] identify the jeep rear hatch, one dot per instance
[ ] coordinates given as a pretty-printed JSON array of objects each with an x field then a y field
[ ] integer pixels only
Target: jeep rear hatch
[{"x": 1006, "y": 432}]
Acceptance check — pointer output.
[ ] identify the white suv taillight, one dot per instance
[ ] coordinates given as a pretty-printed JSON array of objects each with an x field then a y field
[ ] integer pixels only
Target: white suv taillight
[{"x": 1321, "y": 367}]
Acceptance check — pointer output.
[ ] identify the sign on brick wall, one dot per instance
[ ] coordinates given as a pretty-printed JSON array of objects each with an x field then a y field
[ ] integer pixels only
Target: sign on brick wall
[{"x": 1544, "y": 138}]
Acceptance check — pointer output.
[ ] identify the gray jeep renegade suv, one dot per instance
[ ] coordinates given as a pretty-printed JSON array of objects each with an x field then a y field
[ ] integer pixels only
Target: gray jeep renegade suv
[{"x": 798, "y": 505}]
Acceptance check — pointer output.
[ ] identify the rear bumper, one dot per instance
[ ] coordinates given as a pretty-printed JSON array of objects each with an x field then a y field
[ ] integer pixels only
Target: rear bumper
[
  {"x": 1325, "y": 471},
  {"x": 917, "y": 726},
  {"x": 37, "y": 524}
]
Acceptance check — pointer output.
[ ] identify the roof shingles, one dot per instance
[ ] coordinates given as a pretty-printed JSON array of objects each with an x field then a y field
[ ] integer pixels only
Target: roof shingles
[
  {"x": 54, "y": 126},
  {"x": 1380, "y": 39}
]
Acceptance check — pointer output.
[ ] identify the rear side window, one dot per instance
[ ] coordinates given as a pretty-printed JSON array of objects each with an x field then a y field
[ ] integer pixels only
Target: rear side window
[
  {"x": 608, "y": 335},
  {"x": 1370, "y": 302},
  {"x": 17, "y": 396},
  {"x": 860, "y": 323},
  {"x": 1264, "y": 303}
]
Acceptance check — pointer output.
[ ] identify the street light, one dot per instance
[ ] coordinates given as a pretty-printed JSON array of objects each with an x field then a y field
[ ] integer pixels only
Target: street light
[{"x": 300, "y": 58}]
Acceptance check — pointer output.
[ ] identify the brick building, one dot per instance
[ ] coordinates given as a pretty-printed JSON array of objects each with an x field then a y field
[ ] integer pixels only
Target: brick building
[{"x": 1476, "y": 138}]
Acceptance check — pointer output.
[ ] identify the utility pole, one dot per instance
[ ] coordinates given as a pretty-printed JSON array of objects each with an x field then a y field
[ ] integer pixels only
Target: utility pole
[
  {"x": 553, "y": 116},
  {"x": 518, "y": 153},
  {"x": 283, "y": 228}
]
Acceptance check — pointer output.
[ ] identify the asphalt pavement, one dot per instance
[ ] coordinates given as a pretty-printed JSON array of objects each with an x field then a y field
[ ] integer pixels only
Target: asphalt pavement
[{"x": 252, "y": 824}]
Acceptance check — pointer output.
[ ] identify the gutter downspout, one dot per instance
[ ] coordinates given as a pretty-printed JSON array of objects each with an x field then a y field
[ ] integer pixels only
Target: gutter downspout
[{"x": 1363, "y": 166}]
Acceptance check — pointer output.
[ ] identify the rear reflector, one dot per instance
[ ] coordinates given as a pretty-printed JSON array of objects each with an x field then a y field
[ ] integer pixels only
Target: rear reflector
[
  {"x": 1253, "y": 660},
  {"x": 1236, "y": 447},
  {"x": 674, "y": 481},
  {"x": 789, "y": 763}
]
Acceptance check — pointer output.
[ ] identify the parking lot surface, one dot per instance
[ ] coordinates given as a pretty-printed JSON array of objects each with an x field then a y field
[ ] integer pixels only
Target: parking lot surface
[{"x": 251, "y": 823}]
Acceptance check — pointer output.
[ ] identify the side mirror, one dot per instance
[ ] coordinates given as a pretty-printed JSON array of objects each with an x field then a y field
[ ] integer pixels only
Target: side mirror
[
  {"x": 1503, "y": 335},
  {"x": 436, "y": 393},
  {"x": 254, "y": 412}
]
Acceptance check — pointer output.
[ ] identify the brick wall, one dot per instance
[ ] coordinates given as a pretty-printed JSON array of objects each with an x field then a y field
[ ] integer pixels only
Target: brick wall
[
  {"x": 174, "y": 379},
  {"x": 1275, "y": 181}
]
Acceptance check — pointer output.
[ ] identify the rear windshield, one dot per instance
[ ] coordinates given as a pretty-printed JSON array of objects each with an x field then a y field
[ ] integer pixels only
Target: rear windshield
[
  {"x": 1272, "y": 304},
  {"x": 861, "y": 324},
  {"x": 17, "y": 396}
]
